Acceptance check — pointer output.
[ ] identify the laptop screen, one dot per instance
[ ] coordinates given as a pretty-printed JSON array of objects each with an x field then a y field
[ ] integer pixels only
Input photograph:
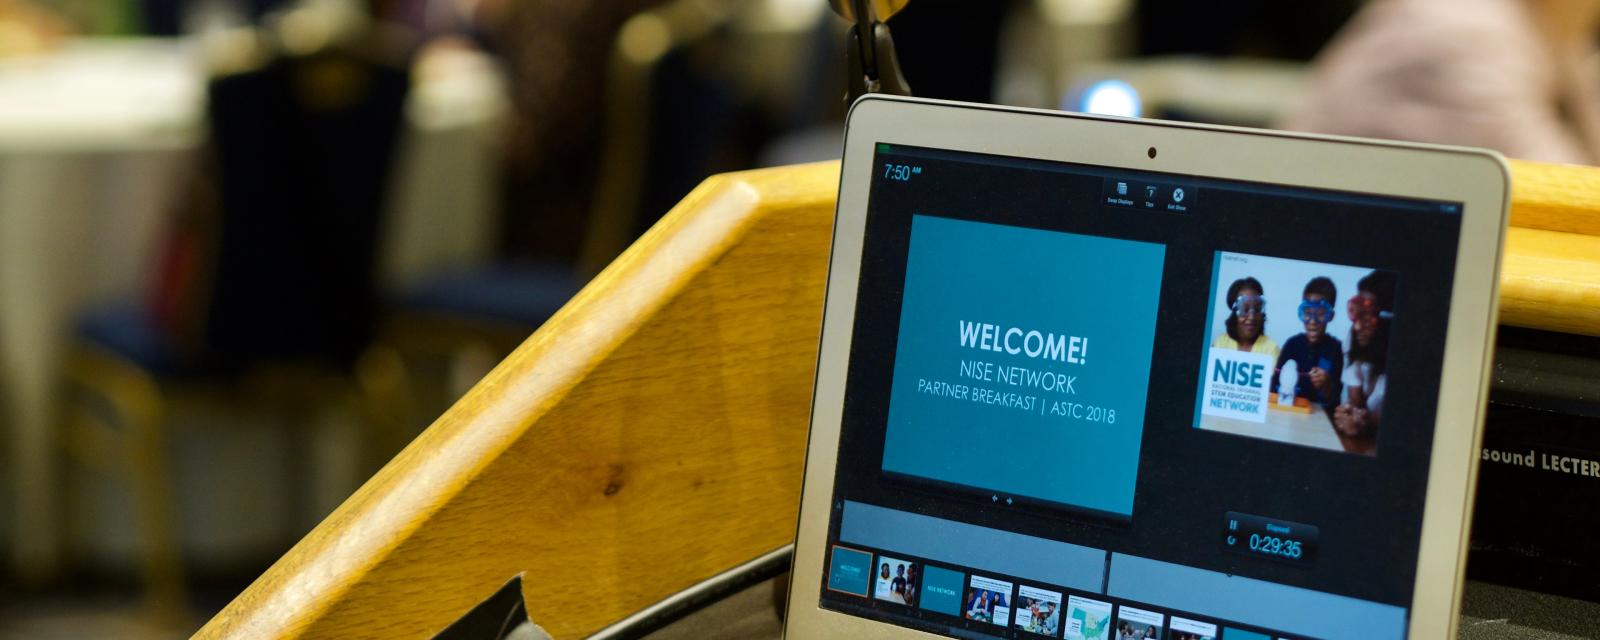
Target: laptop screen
[{"x": 1086, "y": 402}]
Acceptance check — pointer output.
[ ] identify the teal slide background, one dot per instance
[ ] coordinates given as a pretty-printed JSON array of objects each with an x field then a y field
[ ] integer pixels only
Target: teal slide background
[
  {"x": 850, "y": 571},
  {"x": 942, "y": 590},
  {"x": 1106, "y": 290}
]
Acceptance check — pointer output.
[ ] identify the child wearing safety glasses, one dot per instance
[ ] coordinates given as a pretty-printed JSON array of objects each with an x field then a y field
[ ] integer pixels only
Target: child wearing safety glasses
[
  {"x": 1247, "y": 320},
  {"x": 1366, "y": 375},
  {"x": 1318, "y": 357}
]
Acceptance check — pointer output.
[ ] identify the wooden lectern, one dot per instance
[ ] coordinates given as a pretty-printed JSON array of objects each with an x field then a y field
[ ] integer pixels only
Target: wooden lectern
[{"x": 652, "y": 433}]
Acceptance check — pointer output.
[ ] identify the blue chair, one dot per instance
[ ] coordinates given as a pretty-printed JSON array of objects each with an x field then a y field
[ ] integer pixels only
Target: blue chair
[
  {"x": 643, "y": 170},
  {"x": 271, "y": 277}
]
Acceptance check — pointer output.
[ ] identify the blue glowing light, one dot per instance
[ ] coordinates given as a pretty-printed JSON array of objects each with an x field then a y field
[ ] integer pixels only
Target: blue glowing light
[{"x": 1111, "y": 98}]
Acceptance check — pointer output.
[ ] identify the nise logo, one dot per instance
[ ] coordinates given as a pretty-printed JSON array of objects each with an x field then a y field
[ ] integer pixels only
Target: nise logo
[{"x": 1239, "y": 373}]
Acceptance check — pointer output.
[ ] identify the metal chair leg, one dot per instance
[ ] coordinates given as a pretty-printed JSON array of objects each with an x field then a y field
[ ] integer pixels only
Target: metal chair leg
[{"x": 139, "y": 456}]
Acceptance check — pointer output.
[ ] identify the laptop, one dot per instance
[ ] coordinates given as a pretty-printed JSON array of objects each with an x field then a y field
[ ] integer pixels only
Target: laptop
[{"x": 1095, "y": 378}]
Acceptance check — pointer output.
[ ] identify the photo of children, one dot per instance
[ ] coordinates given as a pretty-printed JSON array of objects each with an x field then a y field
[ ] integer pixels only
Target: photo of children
[
  {"x": 1357, "y": 416},
  {"x": 1138, "y": 624},
  {"x": 988, "y": 600},
  {"x": 1286, "y": 361},
  {"x": 1088, "y": 619},
  {"x": 1185, "y": 629},
  {"x": 896, "y": 581},
  {"x": 1038, "y": 611}
]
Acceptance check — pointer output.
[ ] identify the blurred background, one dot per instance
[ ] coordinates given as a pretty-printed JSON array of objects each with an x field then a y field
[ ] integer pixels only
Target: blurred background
[{"x": 250, "y": 248}]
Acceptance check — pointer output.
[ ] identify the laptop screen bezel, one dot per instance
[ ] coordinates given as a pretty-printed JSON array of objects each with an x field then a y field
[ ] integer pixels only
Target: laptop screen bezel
[{"x": 1475, "y": 178}]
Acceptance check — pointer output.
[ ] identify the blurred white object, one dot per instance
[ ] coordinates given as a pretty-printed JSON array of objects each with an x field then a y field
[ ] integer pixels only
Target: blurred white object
[
  {"x": 1240, "y": 91},
  {"x": 94, "y": 139},
  {"x": 1111, "y": 98},
  {"x": 100, "y": 96},
  {"x": 1287, "y": 381},
  {"x": 1047, "y": 42}
]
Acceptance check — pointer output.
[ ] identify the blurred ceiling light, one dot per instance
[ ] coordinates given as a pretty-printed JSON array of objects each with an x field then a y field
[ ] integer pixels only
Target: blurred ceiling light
[
  {"x": 645, "y": 37},
  {"x": 312, "y": 25},
  {"x": 1084, "y": 11},
  {"x": 881, "y": 9},
  {"x": 303, "y": 32},
  {"x": 1111, "y": 98},
  {"x": 790, "y": 15}
]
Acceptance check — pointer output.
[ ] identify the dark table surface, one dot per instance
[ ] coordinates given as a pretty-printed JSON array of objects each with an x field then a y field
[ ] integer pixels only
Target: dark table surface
[{"x": 1492, "y": 611}]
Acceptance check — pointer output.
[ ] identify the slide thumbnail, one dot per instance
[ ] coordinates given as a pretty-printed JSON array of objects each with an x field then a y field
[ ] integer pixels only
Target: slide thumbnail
[
  {"x": 1185, "y": 629},
  {"x": 1038, "y": 611},
  {"x": 896, "y": 581},
  {"x": 1138, "y": 624},
  {"x": 1296, "y": 352},
  {"x": 849, "y": 571},
  {"x": 989, "y": 600},
  {"x": 941, "y": 590},
  {"x": 1088, "y": 619},
  {"x": 1022, "y": 364}
]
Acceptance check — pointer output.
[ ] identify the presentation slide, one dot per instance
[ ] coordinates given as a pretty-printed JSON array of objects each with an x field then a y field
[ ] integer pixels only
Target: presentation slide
[
  {"x": 1023, "y": 362},
  {"x": 849, "y": 571},
  {"x": 1038, "y": 611},
  {"x": 1088, "y": 619},
  {"x": 1186, "y": 629},
  {"x": 989, "y": 600},
  {"x": 942, "y": 589},
  {"x": 1296, "y": 352},
  {"x": 896, "y": 581},
  {"x": 1138, "y": 624}
]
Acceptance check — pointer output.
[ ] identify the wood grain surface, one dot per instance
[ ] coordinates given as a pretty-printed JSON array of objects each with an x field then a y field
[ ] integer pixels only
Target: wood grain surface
[
  {"x": 652, "y": 433},
  {"x": 1555, "y": 197}
]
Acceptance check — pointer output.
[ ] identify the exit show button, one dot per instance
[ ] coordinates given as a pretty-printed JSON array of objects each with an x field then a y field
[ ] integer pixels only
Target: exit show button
[{"x": 1147, "y": 195}]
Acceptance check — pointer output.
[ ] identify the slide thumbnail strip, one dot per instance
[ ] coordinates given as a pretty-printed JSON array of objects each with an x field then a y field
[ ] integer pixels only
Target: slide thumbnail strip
[
  {"x": 1069, "y": 565},
  {"x": 1253, "y": 602}
]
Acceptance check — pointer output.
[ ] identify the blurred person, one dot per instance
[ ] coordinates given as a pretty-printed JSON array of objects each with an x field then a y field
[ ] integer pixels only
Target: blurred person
[
  {"x": 556, "y": 54},
  {"x": 1518, "y": 76}
]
